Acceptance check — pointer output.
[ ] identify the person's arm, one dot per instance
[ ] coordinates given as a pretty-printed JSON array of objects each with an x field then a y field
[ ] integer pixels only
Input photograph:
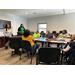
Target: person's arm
[
  {"x": 34, "y": 35},
  {"x": 45, "y": 36},
  {"x": 67, "y": 48},
  {"x": 5, "y": 33},
  {"x": 66, "y": 35},
  {"x": 24, "y": 29},
  {"x": 38, "y": 35},
  {"x": 11, "y": 33},
  {"x": 19, "y": 29},
  {"x": 32, "y": 38}
]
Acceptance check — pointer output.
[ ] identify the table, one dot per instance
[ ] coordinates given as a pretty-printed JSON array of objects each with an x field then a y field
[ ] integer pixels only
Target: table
[
  {"x": 2, "y": 41},
  {"x": 46, "y": 40}
]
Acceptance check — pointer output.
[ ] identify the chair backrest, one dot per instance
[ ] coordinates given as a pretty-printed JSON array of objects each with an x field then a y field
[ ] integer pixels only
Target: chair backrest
[
  {"x": 57, "y": 34},
  {"x": 49, "y": 54},
  {"x": 60, "y": 32},
  {"x": 42, "y": 34},
  {"x": 26, "y": 45},
  {"x": 15, "y": 42},
  {"x": 54, "y": 32},
  {"x": 31, "y": 33},
  {"x": 65, "y": 31}
]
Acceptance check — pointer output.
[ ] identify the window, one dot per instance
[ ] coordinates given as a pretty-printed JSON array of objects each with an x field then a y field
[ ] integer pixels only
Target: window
[{"x": 42, "y": 27}]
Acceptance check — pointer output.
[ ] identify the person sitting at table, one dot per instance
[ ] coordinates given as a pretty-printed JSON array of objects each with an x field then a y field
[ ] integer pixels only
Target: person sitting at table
[
  {"x": 37, "y": 34},
  {"x": 63, "y": 34},
  {"x": 70, "y": 47},
  {"x": 30, "y": 38},
  {"x": 48, "y": 35}
]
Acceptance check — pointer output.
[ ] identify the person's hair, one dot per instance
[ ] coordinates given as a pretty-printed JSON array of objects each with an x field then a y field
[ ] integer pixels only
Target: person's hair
[
  {"x": 26, "y": 33},
  {"x": 38, "y": 31},
  {"x": 6, "y": 27},
  {"x": 65, "y": 31},
  {"x": 21, "y": 25},
  {"x": 72, "y": 37},
  {"x": 48, "y": 32}
]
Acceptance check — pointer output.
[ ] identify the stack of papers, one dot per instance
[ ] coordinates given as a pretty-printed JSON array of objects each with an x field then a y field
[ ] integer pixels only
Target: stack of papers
[
  {"x": 67, "y": 39},
  {"x": 59, "y": 41}
]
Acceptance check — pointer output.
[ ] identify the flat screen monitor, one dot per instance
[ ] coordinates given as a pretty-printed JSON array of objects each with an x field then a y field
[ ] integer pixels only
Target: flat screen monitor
[{"x": 3, "y": 23}]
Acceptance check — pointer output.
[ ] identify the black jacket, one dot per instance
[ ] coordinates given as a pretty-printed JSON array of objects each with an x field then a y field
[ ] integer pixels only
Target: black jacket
[{"x": 19, "y": 29}]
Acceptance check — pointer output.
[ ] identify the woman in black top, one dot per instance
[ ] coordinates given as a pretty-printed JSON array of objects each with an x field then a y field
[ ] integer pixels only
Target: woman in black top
[{"x": 21, "y": 30}]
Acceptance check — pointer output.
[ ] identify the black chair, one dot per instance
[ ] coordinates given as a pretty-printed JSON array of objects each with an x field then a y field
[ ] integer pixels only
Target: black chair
[
  {"x": 48, "y": 55},
  {"x": 57, "y": 34},
  {"x": 42, "y": 34},
  {"x": 15, "y": 43},
  {"x": 31, "y": 33},
  {"x": 60, "y": 32},
  {"x": 27, "y": 46},
  {"x": 53, "y": 32}
]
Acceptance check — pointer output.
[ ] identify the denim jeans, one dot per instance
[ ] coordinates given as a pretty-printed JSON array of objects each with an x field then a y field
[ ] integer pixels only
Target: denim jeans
[{"x": 36, "y": 46}]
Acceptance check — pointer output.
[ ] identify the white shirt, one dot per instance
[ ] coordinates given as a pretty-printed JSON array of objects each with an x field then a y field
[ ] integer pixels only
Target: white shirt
[{"x": 8, "y": 32}]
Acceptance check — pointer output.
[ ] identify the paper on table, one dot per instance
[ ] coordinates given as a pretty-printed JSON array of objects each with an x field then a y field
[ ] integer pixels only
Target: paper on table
[
  {"x": 67, "y": 39},
  {"x": 36, "y": 38},
  {"x": 59, "y": 41}
]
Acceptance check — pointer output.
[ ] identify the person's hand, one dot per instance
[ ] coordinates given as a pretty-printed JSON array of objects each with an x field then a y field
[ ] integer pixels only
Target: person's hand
[
  {"x": 38, "y": 36},
  {"x": 11, "y": 33},
  {"x": 8, "y": 36},
  {"x": 73, "y": 38},
  {"x": 57, "y": 37}
]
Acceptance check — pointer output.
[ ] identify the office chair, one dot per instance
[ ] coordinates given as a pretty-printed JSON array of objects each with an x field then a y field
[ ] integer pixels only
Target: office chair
[
  {"x": 57, "y": 34},
  {"x": 27, "y": 46},
  {"x": 48, "y": 55},
  {"x": 66, "y": 31},
  {"x": 31, "y": 33},
  {"x": 15, "y": 43},
  {"x": 60, "y": 32},
  {"x": 53, "y": 32},
  {"x": 42, "y": 34}
]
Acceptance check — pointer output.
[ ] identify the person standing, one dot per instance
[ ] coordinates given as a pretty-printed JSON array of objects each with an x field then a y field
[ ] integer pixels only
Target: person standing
[
  {"x": 7, "y": 33},
  {"x": 21, "y": 30}
]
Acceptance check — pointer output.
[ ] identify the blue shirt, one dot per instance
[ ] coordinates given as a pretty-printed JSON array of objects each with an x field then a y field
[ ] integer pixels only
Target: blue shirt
[{"x": 49, "y": 36}]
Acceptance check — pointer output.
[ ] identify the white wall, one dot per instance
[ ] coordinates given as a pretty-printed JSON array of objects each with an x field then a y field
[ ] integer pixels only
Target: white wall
[
  {"x": 15, "y": 21},
  {"x": 57, "y": 22}
]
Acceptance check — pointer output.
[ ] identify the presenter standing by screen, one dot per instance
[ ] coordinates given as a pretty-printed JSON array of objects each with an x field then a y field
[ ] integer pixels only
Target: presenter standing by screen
[{"x": 7, "y": 33}]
